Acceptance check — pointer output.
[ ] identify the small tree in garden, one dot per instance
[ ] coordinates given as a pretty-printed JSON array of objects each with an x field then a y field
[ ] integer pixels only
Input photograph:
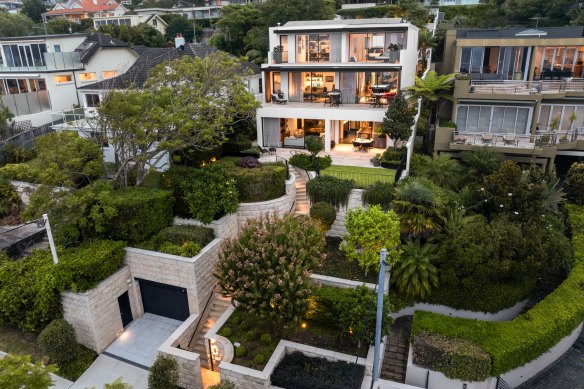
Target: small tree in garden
[
  {"x": 266, "y": 270},
  {"x": 574, "y": 186},
  {"x": 369, "y": 231},
  {"x": 314, "y": 145},
  {"x": 398, "y": 120},
  {"x": 414, "y": 273},
  {"x": 18, "y": 372},
  {"x": 163, "y": 373}
]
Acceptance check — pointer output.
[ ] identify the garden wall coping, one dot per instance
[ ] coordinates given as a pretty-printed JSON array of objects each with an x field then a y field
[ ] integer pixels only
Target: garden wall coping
[
  {"x": 173, "y": 257},
  {"x": 347, "y": 284},
  {"x": 225, "y": 227}
]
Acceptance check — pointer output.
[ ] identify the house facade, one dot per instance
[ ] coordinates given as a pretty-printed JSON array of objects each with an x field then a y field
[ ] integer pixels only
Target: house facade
[
  {"x": 336, "y": 77},
  {"x": 154, "y": 21},
  {"x": 40, "y": 74},
  {"x": 519, "y": 90},
  {"x": 11, "y": 6},
  {"x": 77, "y": 10}
]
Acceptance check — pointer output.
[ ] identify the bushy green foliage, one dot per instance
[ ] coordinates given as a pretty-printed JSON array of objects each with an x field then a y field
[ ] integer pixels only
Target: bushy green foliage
[
  {"x": 58, "y": 341},
  {"x": 236, "y": 145},
  {"x": 99, "y": 211},
  {"x": 456, "y": 358},
  {"x": 351, "y": 312},
  {"x": 380, "y": 193},
  {"x": 226, "y": 332},
  {"x": 368, "y": 232},
  {"x": 19, "y": 372},
  {"x": 187, "y": 249},
  {"x": 314, "y": 145},
  {"x": 74, "y": 368},
  {"x": 264, "y": 183},
  {"x": 240, "y": 351},
  {"x": 324, "y": 213},
  {"x": 163, "y": 373},
  {"x": 415, "y": 275},
  {"x": 208, "y": 193},
  {"x": 392, "y": 157},
  {"x": 142, "y": 34},
  {"x": 9, "y": 199},
  {"x": 398, "y": 120},
  {"x": 259, "y": 359},
  {"x": 514, "y": 343},
  {"x": 30, "y": 287},
  {"x": 15, "y": 154},
  {"x": 267, "y": 268},
  {"x": 185, "y": 241},
  {"x": 266, "y": 339},
  {"x": 225, "y": 384},
  {"x": 574, "y": 185},
  {"x": 299, "y": 371},
  {"x": 329, "y": 189},
  {"x": 304, "y": 161}
]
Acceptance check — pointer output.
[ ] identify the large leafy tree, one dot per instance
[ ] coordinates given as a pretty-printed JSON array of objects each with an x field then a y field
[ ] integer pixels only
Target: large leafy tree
[
  {"x": 18, "y": 372},
  {"x": 235, "y": 23},
  {"x": 15, "y": 25},
  {"x": 178, "y": 24},
  {"x": 34, "y": 9},
  {"x": 142, "y": 34},
  {"x": 188, "y": 103},
  {"x": 266, "y": 270},
  {"x": 398, "y": 120}
]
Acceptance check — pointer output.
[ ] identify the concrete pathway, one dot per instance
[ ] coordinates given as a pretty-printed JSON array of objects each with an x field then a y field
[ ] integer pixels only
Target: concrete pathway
[
  {"x": 302, "y": 205},
  {"x": 139, "y": 343},
  {"x": 105, "y": 370}
]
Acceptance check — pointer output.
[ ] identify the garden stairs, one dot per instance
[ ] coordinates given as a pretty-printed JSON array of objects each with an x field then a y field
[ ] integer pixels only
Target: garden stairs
[
  {"x": 395, "y": 359},
  {"x": 214, "y": 310},
  {"x": 302, "y": 203}
]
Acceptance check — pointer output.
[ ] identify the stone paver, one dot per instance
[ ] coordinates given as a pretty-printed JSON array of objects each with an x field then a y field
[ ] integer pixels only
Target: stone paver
[
  {"x": 105, "y": 370},
  {"x": 567, "y": 373},
  {"x": 140, "y": 341}
]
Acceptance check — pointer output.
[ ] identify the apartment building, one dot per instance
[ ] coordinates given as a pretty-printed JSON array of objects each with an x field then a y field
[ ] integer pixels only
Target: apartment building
[
  {"x": 334, "y": 79},
  {"x": 519, "y": 90},
  {"x": 11, "y": 6},
  {"x": 40, "y": 74}
]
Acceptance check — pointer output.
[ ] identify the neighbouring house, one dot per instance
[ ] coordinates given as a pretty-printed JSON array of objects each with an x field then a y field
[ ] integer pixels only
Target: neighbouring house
[
  {"x": 77, "y": 10},
  {"x": 91, "y": 94},
  {"x": 131, "y": 20},
  {"x": 40, "y": 74},
  {"x": 334, "y": 79},
  {"x": 519, "y": 90},
  {"x": 11, "y": 6}
]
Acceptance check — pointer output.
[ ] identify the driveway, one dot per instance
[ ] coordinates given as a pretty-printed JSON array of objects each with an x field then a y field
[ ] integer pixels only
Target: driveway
[{"x": 130, "y": 356}]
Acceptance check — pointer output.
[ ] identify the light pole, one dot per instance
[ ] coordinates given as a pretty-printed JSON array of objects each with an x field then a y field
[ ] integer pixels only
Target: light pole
[
  {"x": 379, "y": 316},
  {"x": 50, "y": 236}
]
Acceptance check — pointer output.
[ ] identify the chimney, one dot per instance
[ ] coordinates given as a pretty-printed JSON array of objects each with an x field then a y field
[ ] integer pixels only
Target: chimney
[
  {"x": 95, "y": 2},
  {"x": 179, "y": 41}
]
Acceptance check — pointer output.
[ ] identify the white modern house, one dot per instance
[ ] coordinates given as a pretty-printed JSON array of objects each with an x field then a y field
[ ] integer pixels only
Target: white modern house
[
  {"x": 131, "y": 20},
  {"x": 41, "y": 74},
  {"x": 334, "y": 79},
  {"x": 11, "y": 6}
]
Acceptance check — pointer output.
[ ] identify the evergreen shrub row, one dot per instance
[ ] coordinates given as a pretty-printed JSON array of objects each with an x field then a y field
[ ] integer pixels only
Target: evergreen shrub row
[{"x": 514, "y": 343}]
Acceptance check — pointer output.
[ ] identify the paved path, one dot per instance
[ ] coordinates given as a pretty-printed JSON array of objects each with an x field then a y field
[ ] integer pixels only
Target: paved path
[
  {"x": 302, "y": 205},
  {"x": 105, "y": 370}
]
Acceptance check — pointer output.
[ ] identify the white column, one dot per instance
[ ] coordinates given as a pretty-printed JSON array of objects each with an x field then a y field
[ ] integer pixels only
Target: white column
[
  {"x": 327, "y": 135},
  {"x": 259, "y": 130},
  {"x": 344, "y": 48}
]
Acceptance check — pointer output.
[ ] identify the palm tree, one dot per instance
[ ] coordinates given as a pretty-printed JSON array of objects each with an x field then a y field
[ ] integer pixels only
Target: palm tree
[
  {"x": 419, "y": 206},
  {"x": 426, "y": 40},
  {"x": 414, "y": 274},
  {"x": 442, "y": 170},
  {"x": 432, "y": 89},
  {"x": 481, "y": 162}
]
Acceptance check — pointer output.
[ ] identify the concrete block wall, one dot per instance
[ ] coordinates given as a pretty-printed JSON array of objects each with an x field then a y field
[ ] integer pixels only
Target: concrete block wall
[
  {"x": 226, "y": 227},
  {"x": 355, "y": 201},
  {"x": 95, "y": 314},
  {"x": 204, "y": 266}
]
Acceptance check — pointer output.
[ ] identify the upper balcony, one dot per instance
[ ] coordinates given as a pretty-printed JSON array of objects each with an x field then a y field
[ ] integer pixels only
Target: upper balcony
[
  {"x": 52, "y": 61},
  {"x": 376, "y": 56},
  {"x": 521, "y": 90}
]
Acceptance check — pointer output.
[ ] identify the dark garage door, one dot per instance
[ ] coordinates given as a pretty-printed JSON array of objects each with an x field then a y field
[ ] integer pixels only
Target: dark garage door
[{"x": 164, "y": 300}]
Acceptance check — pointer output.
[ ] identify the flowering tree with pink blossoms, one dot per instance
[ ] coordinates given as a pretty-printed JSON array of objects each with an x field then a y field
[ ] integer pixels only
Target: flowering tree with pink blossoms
[{"x": 267, "y": 268}]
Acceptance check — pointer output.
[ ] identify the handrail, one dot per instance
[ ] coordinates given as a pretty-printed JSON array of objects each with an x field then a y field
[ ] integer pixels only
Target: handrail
[{"x": 202, "y": 314}]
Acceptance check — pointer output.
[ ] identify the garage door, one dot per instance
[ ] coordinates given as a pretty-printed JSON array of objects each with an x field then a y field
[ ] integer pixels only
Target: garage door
[{"x": 164, "y": 300}]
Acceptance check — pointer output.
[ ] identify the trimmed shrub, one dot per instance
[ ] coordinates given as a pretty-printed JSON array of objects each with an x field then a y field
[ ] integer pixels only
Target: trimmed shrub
[
  {"x": 181, "y": 234},
  {"x": 163, "y": 373},
  {"x": 74, "y": 368},
  {"x": 225, "y": 384},
  {"x": 351, "y": 312},
  {"x": 379, "y": 193},
  {"x": 248, "y": 162},
  {"x": 187, "y": 249},
  {"x": 456, "y": 358},
  {"x": 297, "y": 371},
  {"x": 574, "y": 185},
  {"x": 226, "y": 332},
  {"x": 392, "y": 158},
  {"x": 266, "y": 339},
  {"x": 514, "y": 343},
  {"x": 253, "y": 151},
  {"x": 58, "y": 341},
  {"x": 324, "y": 213},
  {"x": 250, "y": 335},
  {"x": 259, "y": 359},
  {"x": 306, "y": 162},
  {"x": 240, "y": 351},
  {"x": 330, "y": 189},
  {"x": 261, "y": 184},
  {"x": 236, "y": 145}
]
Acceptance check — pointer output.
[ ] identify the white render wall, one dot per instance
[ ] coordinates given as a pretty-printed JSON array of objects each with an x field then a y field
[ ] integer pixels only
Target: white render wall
[{"x": 119, "y": 59}]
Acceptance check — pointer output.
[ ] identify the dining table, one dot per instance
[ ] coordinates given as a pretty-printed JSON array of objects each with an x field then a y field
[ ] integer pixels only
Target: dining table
[
  {"x": 363, "y": 144},
  {"x": 335, "y": 98}
]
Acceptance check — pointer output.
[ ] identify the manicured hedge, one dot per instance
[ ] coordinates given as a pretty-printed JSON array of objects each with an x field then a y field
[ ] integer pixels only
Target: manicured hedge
[
  {"x": 297, "y": 371},
  {"x": 260, "y": 184},
  {"x": 330, "y": 189},
  {"x": 514, "y": 343},
  {"x": 30, "y": 287},
  {"x": 306, "y": 162},
  {"x": 186, "y": 241}
]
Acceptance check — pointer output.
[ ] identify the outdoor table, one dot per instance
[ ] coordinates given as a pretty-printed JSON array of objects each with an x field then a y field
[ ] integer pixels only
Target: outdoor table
[
  {"x": 378, "y": 96},
  {"x": 364, "y": 144},
  {"x": 335, "y": 98}
]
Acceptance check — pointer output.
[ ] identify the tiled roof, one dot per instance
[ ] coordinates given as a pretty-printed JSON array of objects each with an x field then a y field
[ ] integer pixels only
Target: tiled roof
[
  {"x": 86, "y": 6},
  {"x": 94, "y": 42},
  {"x": 149, "y": 58}
]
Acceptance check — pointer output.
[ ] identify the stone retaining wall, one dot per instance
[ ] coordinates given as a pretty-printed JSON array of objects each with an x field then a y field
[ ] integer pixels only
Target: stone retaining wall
[
  {"x": 226, "y": 227},
  {"x": 95, "y": 314},
  {"x": 355, "y": 201}
]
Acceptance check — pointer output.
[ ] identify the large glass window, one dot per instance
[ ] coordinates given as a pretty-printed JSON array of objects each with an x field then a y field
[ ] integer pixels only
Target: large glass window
[
  {"x": 317, "y": 85},
  {"x": 24, "y": 55},
  {"x": 366, "y": 47},
  {"x": 556, "y": 62},
  {"x": 553, "y": 117},
  {"x": 313, "y": 48},
  {"x": 495, "y": 119},
  {"x": 358, "y": 87}
]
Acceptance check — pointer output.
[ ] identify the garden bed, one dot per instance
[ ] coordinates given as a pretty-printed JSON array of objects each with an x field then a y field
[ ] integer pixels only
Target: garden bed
[
  {"x": 251, "y": 333},
  {"x": 337, "y": 264},
  {"x": 13, "y": 341},
  {"x": 184, "y": 241}
]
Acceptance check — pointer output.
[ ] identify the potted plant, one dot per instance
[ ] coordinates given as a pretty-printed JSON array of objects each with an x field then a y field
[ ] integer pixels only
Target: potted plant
[
  {"x": 391, "y": 158},
  {"x": 277, "y": 51},
  {"x": 393, "y": 53},
  {"x": 376, "y": 161}
]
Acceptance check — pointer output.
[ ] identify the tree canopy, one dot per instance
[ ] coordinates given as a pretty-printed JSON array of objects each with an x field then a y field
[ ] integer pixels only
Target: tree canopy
[
  {"x": 15, "y": 25},
  {"x": 34, "y": 9},
  {"x": 142, "y": 34}
]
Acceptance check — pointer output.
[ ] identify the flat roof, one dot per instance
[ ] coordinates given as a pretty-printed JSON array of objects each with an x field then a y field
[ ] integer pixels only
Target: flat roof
[
  {"x": 37, "y": 37},
  {"x": 522, "y": 33}
]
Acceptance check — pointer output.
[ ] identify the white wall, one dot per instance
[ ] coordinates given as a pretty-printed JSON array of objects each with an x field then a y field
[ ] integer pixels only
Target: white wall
[{"x": 119, "y": 59}]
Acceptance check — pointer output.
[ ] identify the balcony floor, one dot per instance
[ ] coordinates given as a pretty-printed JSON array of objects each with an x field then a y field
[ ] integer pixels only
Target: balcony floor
[{"x": 354, "y": 107}]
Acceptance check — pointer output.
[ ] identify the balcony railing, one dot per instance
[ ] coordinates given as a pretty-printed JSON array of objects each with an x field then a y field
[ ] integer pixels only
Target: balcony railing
[
  {"x": 68, "y": 117},
  {"x": 527, "y": 87},
  {"x": 27, "y": 103},
  {"x": 524, "y": 141},
  {"x": 53, "y": 61}
]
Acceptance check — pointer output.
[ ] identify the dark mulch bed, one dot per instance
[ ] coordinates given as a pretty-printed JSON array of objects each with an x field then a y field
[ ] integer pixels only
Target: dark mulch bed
[{"x": 337, "y": 264}]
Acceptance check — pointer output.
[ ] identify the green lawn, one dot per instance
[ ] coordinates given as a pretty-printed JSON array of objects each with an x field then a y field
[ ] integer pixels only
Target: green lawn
[{"x": 363, "y": 176}]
